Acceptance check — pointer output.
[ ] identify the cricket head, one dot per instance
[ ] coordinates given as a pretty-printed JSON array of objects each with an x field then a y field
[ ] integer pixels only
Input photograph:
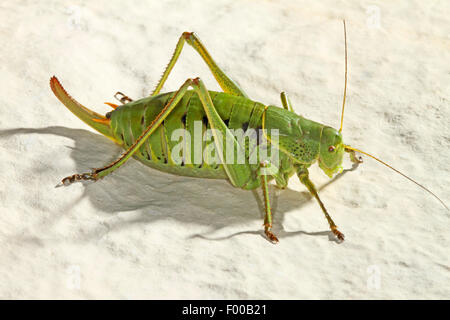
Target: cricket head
[{"x": 331, "y": 151}]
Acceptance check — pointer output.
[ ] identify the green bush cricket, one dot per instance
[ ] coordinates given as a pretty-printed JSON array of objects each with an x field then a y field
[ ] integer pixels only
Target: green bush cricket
[{"x": 144, "y": 128}]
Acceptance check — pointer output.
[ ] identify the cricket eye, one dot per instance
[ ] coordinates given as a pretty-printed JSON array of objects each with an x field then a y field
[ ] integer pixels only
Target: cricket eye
[{"x": 331, "y": 148}]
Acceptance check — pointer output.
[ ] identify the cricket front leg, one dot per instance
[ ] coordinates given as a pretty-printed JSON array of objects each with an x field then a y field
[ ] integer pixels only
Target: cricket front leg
[
  {"x": 96, "y": 174},
  {"x": 304, "y": 178},
  {"x": 353, "y": 157}
]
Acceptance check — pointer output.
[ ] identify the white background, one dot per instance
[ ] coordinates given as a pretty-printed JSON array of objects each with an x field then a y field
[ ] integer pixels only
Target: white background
[{"x": 140, "y": 233}]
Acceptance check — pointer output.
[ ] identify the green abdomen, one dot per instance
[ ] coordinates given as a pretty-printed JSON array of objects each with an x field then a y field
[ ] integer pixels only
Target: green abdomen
[{"x": 129, "y": 121}]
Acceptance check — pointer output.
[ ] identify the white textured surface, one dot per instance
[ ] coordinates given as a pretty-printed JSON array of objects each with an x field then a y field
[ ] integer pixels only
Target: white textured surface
[{"x": 140, "y": 233}]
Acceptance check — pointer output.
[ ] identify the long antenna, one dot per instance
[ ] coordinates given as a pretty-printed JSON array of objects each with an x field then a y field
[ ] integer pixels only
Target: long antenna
[
  {"x": 345, "y": 85},
  {"x": 404, "y": 175}
]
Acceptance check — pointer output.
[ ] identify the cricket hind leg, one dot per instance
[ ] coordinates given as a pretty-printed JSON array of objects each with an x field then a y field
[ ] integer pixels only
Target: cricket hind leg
[
  {"x": 225, "y": 82},
  {"x": 238, "y": 174},
  {"x": 98, "y": 173},
  {"x": 304, "y": 178}
]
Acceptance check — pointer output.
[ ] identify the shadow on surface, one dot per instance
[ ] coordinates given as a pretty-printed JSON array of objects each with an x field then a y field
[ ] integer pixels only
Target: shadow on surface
[{"x": 157, "y": 195}]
